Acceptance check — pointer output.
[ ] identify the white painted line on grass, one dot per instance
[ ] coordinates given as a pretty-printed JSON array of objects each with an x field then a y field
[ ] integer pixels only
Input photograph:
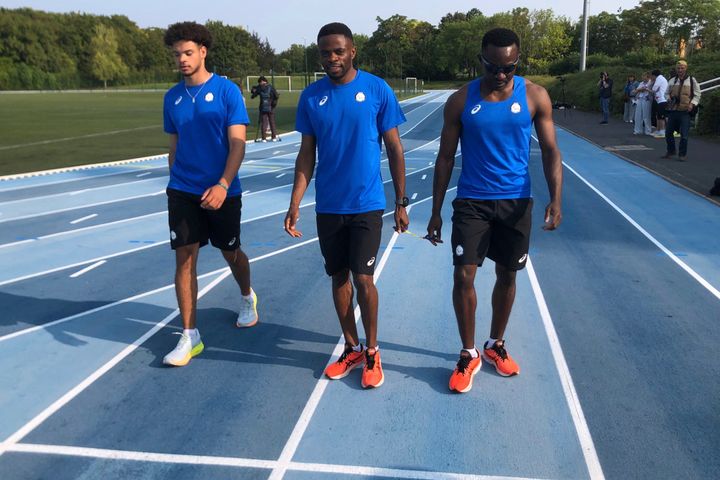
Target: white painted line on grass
[
  {"x": 82, "y": 219},
  {"x": 293, "y": 442},
  {"x": 87, "y": 269},
  {"x": 75, "y": 391},
  {"x": 586, "y": 442},
  {"x": 647, "y": 235},
  {"x": 181, "y": 459},
  {"x": 67, "y": 139}
]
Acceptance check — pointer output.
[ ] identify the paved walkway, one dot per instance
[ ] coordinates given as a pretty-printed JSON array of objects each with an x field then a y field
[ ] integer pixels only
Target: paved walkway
[{"x": 697, "y": 174}]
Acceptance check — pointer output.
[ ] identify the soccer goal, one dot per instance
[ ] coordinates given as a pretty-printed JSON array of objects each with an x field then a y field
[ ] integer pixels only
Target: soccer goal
[
  {"x": 411, "y": 85},
  {"x": 317, "y": 75},
  {"x": 280, "y": 82}
]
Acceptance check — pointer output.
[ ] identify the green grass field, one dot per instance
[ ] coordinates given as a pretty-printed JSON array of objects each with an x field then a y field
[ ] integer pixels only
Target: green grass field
[{"x": 40, "y": 131}]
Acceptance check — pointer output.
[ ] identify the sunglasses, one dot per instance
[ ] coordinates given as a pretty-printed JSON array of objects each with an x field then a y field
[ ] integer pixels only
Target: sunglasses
[{"x": 495, "y": 69}]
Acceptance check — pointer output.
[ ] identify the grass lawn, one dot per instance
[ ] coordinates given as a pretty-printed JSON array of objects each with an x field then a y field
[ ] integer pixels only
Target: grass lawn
[{"x": 40, "y": 131}]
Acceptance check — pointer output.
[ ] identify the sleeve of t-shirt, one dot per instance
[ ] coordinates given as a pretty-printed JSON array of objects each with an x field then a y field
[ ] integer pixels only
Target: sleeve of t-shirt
[
  {"x": 390, "y": 115},
  {"x": 302, "y": 117},
  {"x": 168, "y": 124},
  {"x": 236, "y": 111}
]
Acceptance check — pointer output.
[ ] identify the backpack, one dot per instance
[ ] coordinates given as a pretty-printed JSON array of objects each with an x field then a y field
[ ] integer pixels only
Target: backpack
[{"x": 268, "y": 98}]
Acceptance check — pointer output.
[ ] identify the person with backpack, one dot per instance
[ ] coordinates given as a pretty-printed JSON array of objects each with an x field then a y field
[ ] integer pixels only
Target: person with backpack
[
  {"x": 683, "y": 94},
  {"x": 268, "y": 101}
]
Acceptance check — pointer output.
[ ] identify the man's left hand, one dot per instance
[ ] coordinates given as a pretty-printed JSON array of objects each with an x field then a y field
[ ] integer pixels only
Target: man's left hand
[{"x": 213, "y": 198}]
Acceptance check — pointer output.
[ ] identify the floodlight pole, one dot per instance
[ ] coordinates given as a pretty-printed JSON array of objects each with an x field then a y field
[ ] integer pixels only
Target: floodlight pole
[{"x": 584, "y": 33}]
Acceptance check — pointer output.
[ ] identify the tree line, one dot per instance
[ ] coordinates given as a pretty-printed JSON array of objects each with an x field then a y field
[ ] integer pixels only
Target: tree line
[{"x": 51, "y": 50}]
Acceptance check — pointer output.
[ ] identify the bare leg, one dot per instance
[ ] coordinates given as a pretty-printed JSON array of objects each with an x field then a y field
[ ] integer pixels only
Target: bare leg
[
  {"x": 186, "y": 287},
  {"x": 367, "y": 298},
  {"x": 240, "y": 267},
  {"x": 342, "y": 292},
  {"x": 465, "y": 303},
  {"x": 503, "y": 297}
]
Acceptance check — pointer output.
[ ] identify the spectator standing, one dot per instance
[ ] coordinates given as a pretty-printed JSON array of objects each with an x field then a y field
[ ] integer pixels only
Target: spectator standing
[
  {"x": 659, "y": 88},
  {"x": 268, "y": 101},
  {"x": 630, "y": 100},
  {"x": 605, "y": 85},
  {"x": 643, "y": 106},
  {"x": 683, "y": 94}
]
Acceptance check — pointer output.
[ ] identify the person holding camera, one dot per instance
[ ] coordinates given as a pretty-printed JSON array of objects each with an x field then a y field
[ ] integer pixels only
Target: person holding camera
[
  {"x": 268, "y": 101},
  {"x": 605, "y": 85},
  {"x": 643, "y": 98},
  {"x": 683, "y": 94}
]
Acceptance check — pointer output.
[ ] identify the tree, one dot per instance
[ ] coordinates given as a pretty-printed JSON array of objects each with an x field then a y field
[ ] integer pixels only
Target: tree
[{"x": 105, "y": 61}]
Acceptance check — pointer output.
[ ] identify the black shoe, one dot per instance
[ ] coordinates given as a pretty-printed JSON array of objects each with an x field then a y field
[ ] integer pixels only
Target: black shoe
[{"x": 603, "y": 122}]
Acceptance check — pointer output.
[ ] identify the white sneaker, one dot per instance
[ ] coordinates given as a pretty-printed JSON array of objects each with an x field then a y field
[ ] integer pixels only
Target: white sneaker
[
  {"x": 248, "y": 315},
  {"x": 184, "y": 351}
]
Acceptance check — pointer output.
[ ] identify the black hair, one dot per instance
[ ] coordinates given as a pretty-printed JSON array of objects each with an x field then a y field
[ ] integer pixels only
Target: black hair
[
  {"x": 262, "y": 79},
  {"x": 500, "y": 37},
  {"x": 189, "y": 32},
  {"x": 335, "y": 28},
  {"x": 656, "y": 72}
]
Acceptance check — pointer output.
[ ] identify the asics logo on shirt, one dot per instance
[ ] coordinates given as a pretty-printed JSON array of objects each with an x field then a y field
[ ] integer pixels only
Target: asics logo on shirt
[
  {"x": 179, "y": 99},
  {"x": 323, "y": 101},
  {"x": 475, "y": 109}
]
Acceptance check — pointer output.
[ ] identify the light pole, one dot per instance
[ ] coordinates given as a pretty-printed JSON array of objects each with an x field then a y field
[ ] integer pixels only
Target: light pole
[{"x": 584, "y": 33}]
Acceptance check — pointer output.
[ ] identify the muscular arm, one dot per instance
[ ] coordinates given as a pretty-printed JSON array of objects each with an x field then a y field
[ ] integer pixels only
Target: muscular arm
[
  {"x": 173, "y": 150},
  {"x": 552, "y": 161},
  {"x": 214, "y": 196},
  {"x": 396, "y": 161},
  {"x": 445, "y": 161},
  {"x": 304, "y": 167}
]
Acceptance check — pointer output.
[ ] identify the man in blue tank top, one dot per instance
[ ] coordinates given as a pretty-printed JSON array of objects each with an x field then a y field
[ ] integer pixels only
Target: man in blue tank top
[
  {"x": 206, "y": 119},
  {"x": 492, "y": 117},
  {"x": 346, "y": 116}
]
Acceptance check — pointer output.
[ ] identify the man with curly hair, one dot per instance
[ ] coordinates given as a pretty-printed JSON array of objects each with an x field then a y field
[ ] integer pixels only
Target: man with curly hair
[{"x": 206, "y": 119}]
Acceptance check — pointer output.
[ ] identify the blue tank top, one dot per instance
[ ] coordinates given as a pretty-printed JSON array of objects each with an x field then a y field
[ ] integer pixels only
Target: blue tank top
[{"x": 495, "y": 144}]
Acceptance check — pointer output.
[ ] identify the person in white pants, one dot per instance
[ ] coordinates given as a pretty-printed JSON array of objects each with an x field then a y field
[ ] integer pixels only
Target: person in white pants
[{"x": 643, "y": 97}]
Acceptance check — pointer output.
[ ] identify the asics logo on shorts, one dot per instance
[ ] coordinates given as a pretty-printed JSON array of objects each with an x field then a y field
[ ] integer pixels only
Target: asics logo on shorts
[
  {"x": 371, "y": 261},
  {"x": 232, "y": 242},
  {"x": 522, "y": 259}
]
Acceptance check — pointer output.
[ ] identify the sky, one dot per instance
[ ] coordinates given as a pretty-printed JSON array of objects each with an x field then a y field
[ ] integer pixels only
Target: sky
[{"x": 284, "y": 22}]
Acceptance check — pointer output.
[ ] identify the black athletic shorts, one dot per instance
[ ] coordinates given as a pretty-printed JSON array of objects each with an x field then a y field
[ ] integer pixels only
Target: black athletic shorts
[
  {"x": 189, "y": 223},
  {"x": 350, "y": 241},
  {"x": 658, "y": 110},
  {"x": 497, "y": 229}
]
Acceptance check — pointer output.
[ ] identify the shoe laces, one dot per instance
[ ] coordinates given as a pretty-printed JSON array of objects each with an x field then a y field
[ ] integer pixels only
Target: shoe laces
[
  {"x": 344, "y": 357},
  {"x": 499, "y": 348},
  {"x": 463, "y": 363},
  {"x": 183, "y": 339},
  {"x": 370, "y": 360}
]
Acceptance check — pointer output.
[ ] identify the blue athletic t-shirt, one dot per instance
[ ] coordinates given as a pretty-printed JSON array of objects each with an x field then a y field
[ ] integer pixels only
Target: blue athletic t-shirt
[
  {"x": 347, "y": 122},
  {"x": 201, "y": 126},
  {"x": 495, "y": 143}
]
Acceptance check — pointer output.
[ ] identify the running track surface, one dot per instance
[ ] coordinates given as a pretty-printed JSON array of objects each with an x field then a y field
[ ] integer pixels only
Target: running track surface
[{"x": 615, "y": 326}]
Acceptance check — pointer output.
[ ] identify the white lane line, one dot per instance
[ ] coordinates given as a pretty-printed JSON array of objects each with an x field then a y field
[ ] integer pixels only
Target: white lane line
[
  {"x": 647, "y": 235},
  {"x": 414, "y": 196},
  {"x": 293, "y": 442},
  {"x": 276, "y": 152},
  {"x": 423, "y": 177},
  {"x": 586, "y": 442},
  {"x": 246, "y": 192},
  {"x": 87, "y": 269},
  {"x": 180, "y": 459},
  {"x": 75, "y": 391},
  {"x": 297, "y": 145},
  {"x": 67, "y": 139},
  {"x": 422, "y": 119},
  {"x": 280, "y": 176},
  {"x": 140, "y": 175},
  {"x": 82, "y": 219}
]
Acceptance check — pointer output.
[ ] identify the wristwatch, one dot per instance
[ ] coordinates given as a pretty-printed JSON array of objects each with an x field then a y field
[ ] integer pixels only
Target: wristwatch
[{"x": 402, "y": 202}]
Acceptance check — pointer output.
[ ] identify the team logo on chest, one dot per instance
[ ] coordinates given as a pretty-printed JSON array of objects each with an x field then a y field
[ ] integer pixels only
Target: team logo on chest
[
  {"x": 475, "y": 109},
  {"x": 323, "y": 101},
  {"x": 209, "y": 97},
  {"x": 360, "y": 97},
  {"x": 179, "y": 99},
  {"x": 515, "y": 108}
]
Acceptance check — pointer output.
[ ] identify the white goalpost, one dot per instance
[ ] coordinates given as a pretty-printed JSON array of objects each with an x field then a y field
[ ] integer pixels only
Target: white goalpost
[
  {"x": 411, "y": 81},
  {"x": 281, "y": 82},
  {"x": 318, "y": 74}
]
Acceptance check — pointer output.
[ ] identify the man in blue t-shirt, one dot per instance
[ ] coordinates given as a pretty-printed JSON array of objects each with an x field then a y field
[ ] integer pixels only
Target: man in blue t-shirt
[
  {"x": 346, "y": 116},
  {"x": 206, "y": 119},
  {"x": 493, "y": 117}
]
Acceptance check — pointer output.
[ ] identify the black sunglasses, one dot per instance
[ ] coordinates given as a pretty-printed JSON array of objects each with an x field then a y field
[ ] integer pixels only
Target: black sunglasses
[{"x": 495, "y": 69}]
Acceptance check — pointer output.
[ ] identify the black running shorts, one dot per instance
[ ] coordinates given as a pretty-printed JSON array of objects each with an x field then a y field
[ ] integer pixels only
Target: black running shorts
[
  {"x": 189, "y": 223},
  {"x": 350, "y": 241},
  {"x": 497, "y": 229}
]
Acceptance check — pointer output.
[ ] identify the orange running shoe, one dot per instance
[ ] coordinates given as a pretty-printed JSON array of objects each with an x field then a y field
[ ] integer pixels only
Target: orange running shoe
[
  {"x": 498, "y": 356},
  {"x": 372, "y": 375},
  {"x": 467, "y": 367},
  {"x": 344, "y": 365}
]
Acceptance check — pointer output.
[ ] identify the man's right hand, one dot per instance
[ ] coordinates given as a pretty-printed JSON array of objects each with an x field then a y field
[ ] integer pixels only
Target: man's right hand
[
  {"x": 434, "y": 230},
  {"x": 291, "y": 219}
]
